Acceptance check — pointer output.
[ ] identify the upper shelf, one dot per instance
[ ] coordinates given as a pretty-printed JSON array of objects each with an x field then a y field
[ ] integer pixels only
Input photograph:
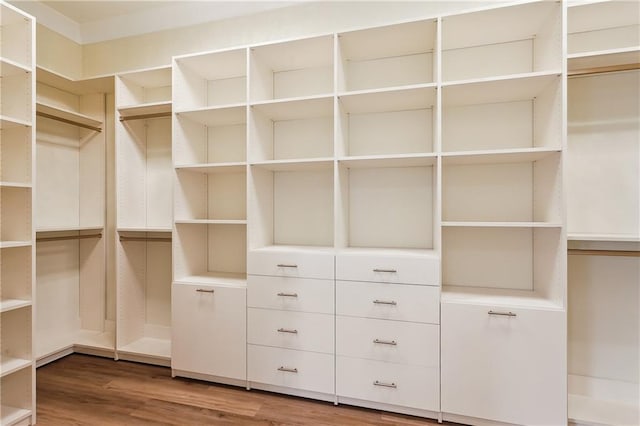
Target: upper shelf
[
  {"x": 69, "y": 117},
  {"x": 9, "y": 67},
  {"x": 145, "y": 111},
  {"x": 604, "y": 60}
]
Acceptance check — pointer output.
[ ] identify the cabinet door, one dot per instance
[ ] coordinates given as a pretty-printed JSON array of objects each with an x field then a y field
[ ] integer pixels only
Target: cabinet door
[
  {"x": 209, "y": 330},
  {"x": 506, "y": 368}
]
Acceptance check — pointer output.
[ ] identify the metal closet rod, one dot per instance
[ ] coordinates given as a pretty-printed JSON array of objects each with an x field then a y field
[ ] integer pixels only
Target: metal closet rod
[
  {"x": 603, "y": 70},
  {"x": 595, "y": 252},
  {"x": 64, "y": 120},
  {"x": 146, "y": 116},
  {"x": 161, "y": 240},
  {"x": 69, "y": 237}
]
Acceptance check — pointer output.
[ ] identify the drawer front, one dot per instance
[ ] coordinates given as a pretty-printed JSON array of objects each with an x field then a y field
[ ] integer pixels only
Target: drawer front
[
  {"x": 388, "y": 269},
  {"x": 290, "y": 294},
  {"x": 208, "y": 330},
  {"x": 391, "y": 341},
  {"x": 285, "y": 263},
  {"x": 293, "y": 330},
  {"x": 388, "y": 301},
  {"x": 396, "y": 384},
  {"x": 504, "y": 368},
  {"x": 308, "y": 371}
]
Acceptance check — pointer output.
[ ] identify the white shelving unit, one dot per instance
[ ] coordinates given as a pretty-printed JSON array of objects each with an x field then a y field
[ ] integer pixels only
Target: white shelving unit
[
  {"x": 70, "y": 219},
  {"x": 17, "y": 234},
  {"x": 144, "y": 178}
]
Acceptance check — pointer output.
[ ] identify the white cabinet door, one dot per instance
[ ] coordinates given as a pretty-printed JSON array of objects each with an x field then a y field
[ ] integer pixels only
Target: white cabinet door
[
  {"x": 209, "y": 330},
  {"x": 508, "y": 366}
]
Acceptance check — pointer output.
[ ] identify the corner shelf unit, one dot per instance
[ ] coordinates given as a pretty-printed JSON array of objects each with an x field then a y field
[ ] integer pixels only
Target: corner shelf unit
[
  {"x": 144, "y": 215},
  {"x": 17, "y": 231},
  {"x": 71, "y": 286}
]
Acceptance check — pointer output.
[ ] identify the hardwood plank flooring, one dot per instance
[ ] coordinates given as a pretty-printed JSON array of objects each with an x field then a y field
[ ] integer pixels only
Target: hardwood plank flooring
[{"x": 87, "y": 390}]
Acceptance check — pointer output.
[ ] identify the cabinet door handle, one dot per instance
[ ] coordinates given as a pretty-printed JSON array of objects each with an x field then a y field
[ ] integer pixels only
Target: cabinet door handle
[
  {"x": 384, "y": 384},
  {"x": 287, "y": 369},
  {"x": 391, "y": 271},
  {"x": 203, "y": 290},
  {"x": 288, "y": 294},
  {"x": 385, "y": 342},
  {"x": 287, "y": 330},
  {"x": 286, "y": 265},
  {"x": 385, "y": 302},
  {"x": 504, "y": 314}
]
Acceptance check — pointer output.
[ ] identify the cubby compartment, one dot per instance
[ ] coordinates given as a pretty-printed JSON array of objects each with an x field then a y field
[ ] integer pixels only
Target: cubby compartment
[
  {"x": 603, "y": 34},
  {"x": 17, "y": 278},
  {"x": 210, "y": 253},
  {"x": 292, "y": 69},
  {"x": 506, "y": 193},
  {"x": 218, "y": 194},
  {"x": 144, "y": 297},
  {"x": 504, "y": 266},
  {"x": 210, "y": 137},
  {"x": 17, "y": 397},
  {"x": 144, "y": 89},
  {"x": 390, "y": 123},
  {"x": 15, "y": 223},
  {"x": 518, "y": 39},
  {"x": 17, "y": 33},
  {"x": 386, "y": 207},
  {"x": 510, "y": 114},
  {"x": 16, "y": 105},
  {"x": 292, "y": 130},
  {"x": 210, "y": 80},
  {"x": 390, "y": 56},
  {"x": 603, "y": 157},
  {"x": 16, "y": 341},
  {"x": 291, "y": 205},
  {"x": 15, "y": 155}
]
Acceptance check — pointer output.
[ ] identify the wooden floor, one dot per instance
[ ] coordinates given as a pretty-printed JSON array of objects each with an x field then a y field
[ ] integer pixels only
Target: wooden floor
[{"x": 86, "y": 390}]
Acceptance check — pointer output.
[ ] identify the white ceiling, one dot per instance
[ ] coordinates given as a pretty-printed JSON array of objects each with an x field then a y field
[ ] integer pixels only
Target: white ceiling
[{"x": 91, "y": 21}]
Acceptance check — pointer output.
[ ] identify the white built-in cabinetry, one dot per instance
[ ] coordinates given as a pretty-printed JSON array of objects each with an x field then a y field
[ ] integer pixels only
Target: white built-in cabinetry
[
  {"x": 70, "y": 218},
  {"x": 17, "y": 233},
  {"x": 603, "y": 201},
  {"x": 144, "y": 215}
]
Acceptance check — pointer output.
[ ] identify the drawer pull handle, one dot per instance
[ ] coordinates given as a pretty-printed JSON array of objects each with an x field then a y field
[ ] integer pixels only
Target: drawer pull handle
[
  {"x": 288, "y": 370},
  {"x": 203, "y": 290},
  {"x": 391, "y": 271},
  {"x": 285, "y": 265},
  {"x": 504, "y": 314},
  {"x": 385, "y": 302},
  {"x": 386, "y": 342},
  {"x": 288, "y": 294},
  {"x": 386, "y": 385},
  {"x": 287, "y": 330}
]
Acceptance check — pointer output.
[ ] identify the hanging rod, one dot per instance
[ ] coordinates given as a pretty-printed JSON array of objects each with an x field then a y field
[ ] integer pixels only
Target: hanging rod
[
  {"x": 603, "y": 70},
  {"x": 592, "y": 252},
  {"x": 145, "y": 116},
  {"x": 69, "y": 237},
  {"x": 64, "y": 120},
  {"x": 161, "y": 240}
]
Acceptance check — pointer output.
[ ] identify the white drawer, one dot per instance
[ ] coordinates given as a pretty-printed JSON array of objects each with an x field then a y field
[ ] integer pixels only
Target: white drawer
[
  {"x": 310, "y": 371},
  {"x": 292, "y": 330},
  {"x": 291, "y": 263},
  {"x": 405, "y": 269},
  {"x": 290, "y": 294},
  {"x": 388, "y": 301},
  {"x": 396, "y": 384},
  {"x": 391, "y": 341}
]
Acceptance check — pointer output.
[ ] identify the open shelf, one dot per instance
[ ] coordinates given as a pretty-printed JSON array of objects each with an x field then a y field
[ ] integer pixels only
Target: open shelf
[
  {"x": 11, "y": 304},
  {"x": 84, "y": 229},
  {"x": 143, "y": 92},
  {"x": 11, "y": 365},
  {"x": 509, "y": 40},
  {"x": 16, "y": 340},
  {"x": 472, "y": 224},
  {"x": 15, "y": 155},
  {"x": 8, "y": 122},
  {"x": 382, "y": 161},
  {"x": 67, "y": 116},
  {"x": 216, "y": 278},
  {"x": 584, "y": 410},
  {"x": 10, "y": 68},
  {"x": 604, "y": 237},
  {"x": 145, "y": 111},
  {"x": 13, "y": 415},
  {"x": 497, "y": 156},
  {"x": 148, "y": 347},
  {"x": 12, "y": 244},
  {"x": 603, "y": 60},
  {"x": 234, "y": 167},
  {"x": 16, "y": 91},
  {"x": 394, "y": 55},
  {"x": 16, "y": 43},
  {"x": 16, "y": 224},
  {"x": 295, "y": 165},
  {"x": 497, "y": 297}
]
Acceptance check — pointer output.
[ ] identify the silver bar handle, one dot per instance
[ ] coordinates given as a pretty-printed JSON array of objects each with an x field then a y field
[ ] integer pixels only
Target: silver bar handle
[
  {"x": 202, "y": 290},
  {"x": 504, "y": 314},
  {"x": 385, "y": 302},
  {"x": 386, "y": 385},
  {"x": 286, "y": 265},
  {"x": 287, "y": 369},
  {"x": 391, "y": 271},
  {"x": 385, "y": 342},
  {"x": 287, "y": 330},
  {"x": 288, "y": 294}
]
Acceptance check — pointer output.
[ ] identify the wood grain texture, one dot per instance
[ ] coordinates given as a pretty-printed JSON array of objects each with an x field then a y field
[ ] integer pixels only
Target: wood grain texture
[{"x": 86, "y": 390}]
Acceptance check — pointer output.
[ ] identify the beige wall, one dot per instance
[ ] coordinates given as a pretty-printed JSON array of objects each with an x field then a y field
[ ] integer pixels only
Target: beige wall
[
  {"x": 306, "y": 19},
  {"x": 58, "y": 53}
]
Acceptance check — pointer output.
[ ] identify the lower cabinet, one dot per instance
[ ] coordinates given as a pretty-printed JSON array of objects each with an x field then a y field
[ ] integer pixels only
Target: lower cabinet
[
  {"x": 508, "y": 366},
  {"x": 209, "y": 330}
]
